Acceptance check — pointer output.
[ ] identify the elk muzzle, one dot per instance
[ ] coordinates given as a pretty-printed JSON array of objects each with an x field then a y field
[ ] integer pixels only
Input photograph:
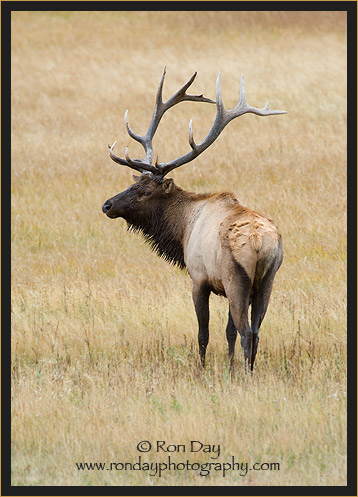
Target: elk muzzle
[
  {"x": 119, "y": 205},
  {"x": 109, "y": 209},
  {"x": 107, "y": 206}
]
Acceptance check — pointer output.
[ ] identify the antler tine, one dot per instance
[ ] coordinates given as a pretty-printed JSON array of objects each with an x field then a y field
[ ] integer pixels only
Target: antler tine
[
  {"x": 243, "y": 108},
  {"x": 219, "y": 100},
  {"x": 191, "y": 138},
  {"x": 131, "y": 133},
  {"x": 159, "y": 98},
  {"x": 242, "y": 98},
  {"x": 137, "y": 165},
  {"x": 181, "y": 95},
  {"x": 117, "y": 159}
]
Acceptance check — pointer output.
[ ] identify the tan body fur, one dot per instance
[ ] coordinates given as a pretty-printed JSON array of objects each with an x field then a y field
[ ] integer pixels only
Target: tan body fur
[{"x": 220, "y": 233}]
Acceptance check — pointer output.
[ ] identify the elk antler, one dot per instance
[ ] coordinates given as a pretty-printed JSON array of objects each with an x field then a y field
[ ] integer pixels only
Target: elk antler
[
  {"x": 223, "y": 117},
  {"x": 146, "y": 140}
]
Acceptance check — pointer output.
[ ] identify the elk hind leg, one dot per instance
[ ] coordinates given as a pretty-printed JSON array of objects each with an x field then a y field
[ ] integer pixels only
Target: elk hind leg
[
  {"x": 231, "y": 334},
  {"x": 237, "y": 290},
  {"x": 260, "y": 301}
]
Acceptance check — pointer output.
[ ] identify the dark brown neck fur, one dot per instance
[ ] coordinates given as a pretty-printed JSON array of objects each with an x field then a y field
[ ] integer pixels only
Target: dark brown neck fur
[{"x": 163, "y": 228}]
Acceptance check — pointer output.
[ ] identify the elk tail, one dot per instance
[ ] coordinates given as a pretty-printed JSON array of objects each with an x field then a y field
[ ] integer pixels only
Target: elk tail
[{"x": 256, "y": 240}]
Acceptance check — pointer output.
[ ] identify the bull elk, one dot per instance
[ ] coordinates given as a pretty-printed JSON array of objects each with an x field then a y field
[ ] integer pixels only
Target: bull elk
[{"x": 227, "y": 248}]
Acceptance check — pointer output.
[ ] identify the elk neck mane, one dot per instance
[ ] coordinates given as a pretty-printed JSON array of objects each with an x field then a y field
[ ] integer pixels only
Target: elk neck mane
[{"x": 163, "y": 227}]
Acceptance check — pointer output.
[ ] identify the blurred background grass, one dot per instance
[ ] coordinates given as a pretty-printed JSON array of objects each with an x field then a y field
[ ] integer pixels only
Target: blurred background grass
[{"x": 104, "y": 347}]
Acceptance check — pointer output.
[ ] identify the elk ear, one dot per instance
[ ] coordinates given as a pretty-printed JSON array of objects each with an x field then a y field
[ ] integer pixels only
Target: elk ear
[
  {"x": 167, "y": 185},
  {"x": 136, "y": 178}
]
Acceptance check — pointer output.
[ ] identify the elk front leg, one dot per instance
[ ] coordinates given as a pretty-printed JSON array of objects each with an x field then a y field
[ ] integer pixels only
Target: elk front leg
[{"x": 201, "y": 295}]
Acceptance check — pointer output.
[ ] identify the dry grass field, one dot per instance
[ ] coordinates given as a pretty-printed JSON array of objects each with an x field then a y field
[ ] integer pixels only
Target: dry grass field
[{"x": 104, "y": 333}]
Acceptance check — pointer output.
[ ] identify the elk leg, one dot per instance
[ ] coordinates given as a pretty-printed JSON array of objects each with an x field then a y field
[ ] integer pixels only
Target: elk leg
[
  {"x": 231, "y": 334},
  {"x": 237, "y": 290},
  {"x": 260, "y": 301},
  {"x": 240, "y": 317},
  {"x": 201, "y": 295}
]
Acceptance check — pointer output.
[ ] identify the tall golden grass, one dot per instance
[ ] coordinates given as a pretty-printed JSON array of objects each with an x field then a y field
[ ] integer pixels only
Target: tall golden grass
[{"x": 104, "y": 350}]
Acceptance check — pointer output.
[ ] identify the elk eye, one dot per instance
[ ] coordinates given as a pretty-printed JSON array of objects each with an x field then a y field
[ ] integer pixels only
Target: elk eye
[{"x": 144, "y": 194}]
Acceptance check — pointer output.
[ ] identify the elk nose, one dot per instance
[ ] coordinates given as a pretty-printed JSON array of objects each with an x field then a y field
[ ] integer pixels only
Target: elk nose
[{"x": 106, "y": 207}]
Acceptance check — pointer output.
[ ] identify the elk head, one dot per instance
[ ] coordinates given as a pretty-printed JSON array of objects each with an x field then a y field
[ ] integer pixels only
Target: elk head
[{"x": 139, "y": 199}]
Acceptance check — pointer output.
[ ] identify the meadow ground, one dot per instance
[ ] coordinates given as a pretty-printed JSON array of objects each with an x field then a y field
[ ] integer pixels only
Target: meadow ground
[{"x": 104, "y": 350}]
